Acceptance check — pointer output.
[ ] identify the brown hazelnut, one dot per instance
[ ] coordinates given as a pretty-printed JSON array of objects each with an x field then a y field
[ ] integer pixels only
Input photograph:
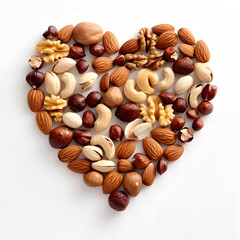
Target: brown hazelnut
[
  {"x": 35, "y": 62},
  {"x": 192, "y": 113},
  {"x": 170, "y": 54},
  {"x": 184, "y": 65},
  {"x": 77, "y": 102},
  {"x": 177, "y": 123},
  {"x": 127, "y": 112},
  {"x": 162, "y": 166},
  {"x": 82, "y": 66},
  {"x": 185, "y": 135},
  {"x": 180, "y": 105},
  {"x": 50, "y": 33},
  {"x": 77, "y": 51},
  {"x": 116, "y": 133},
  {"x": 93, "y": 98},
  {"x": 167, "y": 97},
  {"x": 35, "y": 79},
  {"x": 113, "y": 97},
  {"x": 97, "y": 50},
  {"x": 198, "y": 124},
  {"x": 83, "y": 137},
  {"x": 104, "y": 82},
  {"x": 140, "y": 160},
  {"x": 209, "y": 92},
  {"x": 88, "y": 119},
  {"x": 119, "y": 60},
  {"x": 205, "y": 108},
  {"x": 118, "y": 200},
  {"x": 60, "y": 137}
]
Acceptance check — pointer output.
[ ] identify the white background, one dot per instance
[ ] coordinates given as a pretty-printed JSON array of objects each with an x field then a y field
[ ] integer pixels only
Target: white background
[{"x": 197, "y": 198}]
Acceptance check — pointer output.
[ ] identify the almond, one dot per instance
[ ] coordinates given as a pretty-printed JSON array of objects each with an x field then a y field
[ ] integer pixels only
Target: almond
[
  {"x": 160, "y": 28},
  {"x": 130, "y": 46},
  {"x": 152, "y": 148},
  {"x": 149, "y": 174},
  {"x": 79, "y": 166},
  {"x": 112, "y": 182},
  {"x": 186, "y": 36},
  {"x": 167, "y": 39},
  {"x": 202, "y": 53},
  {"x": 102, "y": 64},
  {"x": 69, "y": 153},
  {"x": 119, "y": 76},
  {"x": 173, "y": 152},
  {"x": 35, "y": 99},
  {"x": 125, "y": 149},
  {"x": 104, "y": 82},
  {"x": 65, "y": 33},
  {"x": 187, "y": 50},
  {"x": 132, "y": 183},
  {"x": 164, "y": 135},
  {"x": 110, "y": 43},
  {"x": 125, "y": 165},
  {"x": 44, "y": 122}
]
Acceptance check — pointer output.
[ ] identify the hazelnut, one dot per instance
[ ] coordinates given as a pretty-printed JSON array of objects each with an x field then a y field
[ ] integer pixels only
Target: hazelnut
[
  {"x": 50, "y": 33},
  {"x": 77, "y": 102},
  {"x": 162, "y": 166},
  {"x": 94, "y": 98},
  {"x": 140, "y": 160},
  {"x": 113, "y": 97},
  {"x": 83, "y": 137},
  {"x": 118, "y": 200},
  {"x": 132, "y": 183},
  {"x": 192, "y": 113},
  {"x": 116, "y": 132},
  {"x": 119, "y": 60},
  {"x": 185, "y": 135},
  {"x": 167, "y": 97},
  {"x": 127, "y": 112},
  {"x": 205, "y": 108},
  {"x": 97, "y": 50},
  {"x": 35, "y": 62},
  {"x": 184, "y": 65},
  {"x": 77, "y": 51},
  {"x": 88, "y": 119},
  {"x": 35, "y": 79},
  {"x": 177, "y": 123},
  {"x": 180, "y": 105},
  {"x": 198, "y": 124},
  {"x": 104, "y": 82},
  {"x": 209, "y": 92},
  {"x": 170, "y": 54},
  {"x": 82, "y": 66}
]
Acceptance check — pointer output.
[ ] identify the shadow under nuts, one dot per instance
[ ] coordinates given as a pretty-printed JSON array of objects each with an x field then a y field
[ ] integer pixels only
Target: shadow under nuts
[
  {"x": 127, "y": 112},
  {"x": 113, "y": 97}
]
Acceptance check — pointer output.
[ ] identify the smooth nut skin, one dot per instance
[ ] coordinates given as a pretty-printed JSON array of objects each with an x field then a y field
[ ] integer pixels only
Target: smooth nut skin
[
  {"x": 113, "y": 97},
  {"x": 140, "y": 160},
  {"x": 180, "y": 105},
  {"x": 104, "y": 82},
  {"x": 97, "y": 50},
  {"x": 116, "y": 133},
  {"x": 77, "y": 102},
  {"x": 119, "y": 60},
  {"x": 35, "y": 62},
  {"x": 192, "y": 113},
  {"x": 177, "y": 123},
  {"x": 127, "y": 112},
  {"x": 185, "y": 135},
  {"x": 83, "y": 137},
  {"x": 170, "y": 54},
  {"x": 60, "y": 137},
  {"x": 77, "y": 51},
  {"x": 50, "y": 33},
  {"x": 88, "y": 119},
  {"x": 205, "y": 108},
  {"x": 162, "y": 166},
  {"x": 184, "y": 65},
  {"x": 35, "y": 79},
  {"x": 209, "y": 92},
  {"x": 94, "y": 98},
  {"x": 93, "y": 179},
  {"x": 197, "y": 124},
  {"x": 118, "y": 200},
  {"x": 132, "y": 183},
  {"x": 167, "y": 97},
  {"x": 82, "y": 66}
]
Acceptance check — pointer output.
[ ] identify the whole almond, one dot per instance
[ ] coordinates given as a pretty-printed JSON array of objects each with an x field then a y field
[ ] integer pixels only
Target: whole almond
[
  {"x": 164, "y": 135},
  {"x": 44, "y": 121},
  {"x": 167, "y": 39},
  {"x": 104, "y": 82},
  {"x": 65, "y": 33},
  {"x": 79, "y": 166},
  {"x": 35, "y": 99},
  {"x": 149, "y": 174},
  {"x": 130, "y": 46},
  {"x": 186, "y": 36},
  {"x": 125, "y": 165},
  {"x": 112, "y": 182},
  {"x": 187, "y": 50},
  {"x": 102, "y": 64},
  {"x": 202, "y": 53},
  {"x": 173, "y": 152},
  {"x": 125, "y": 149},
  {"x": 93, "y": 179},
  {"x": 119, "y": 76},
  {"x": 110, "y": 43},
  {"x": 152, "y": 148},
  {"x": 69, "y": 153},
  {"x": 160, "y": 28}
]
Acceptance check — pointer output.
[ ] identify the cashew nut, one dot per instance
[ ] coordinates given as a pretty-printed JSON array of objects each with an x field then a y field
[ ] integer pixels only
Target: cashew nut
[
  {"x": 168, "y": 79},
  {"x": 104, "y": 118},
  {"x": 87, "y": 80},
  {"x": 193, "y": 94},
  {"x": 70, "y": 85},
  {"x": 183, "y": 84},
  {"x": 52, "y": 83},
  {"x": 203, "y": 72},
  {"x": 106, "y": 144},
  {"x": 132, "y": 94},
  {"x": 145, "y": 77},
  {"x": 63, "y": 65}
]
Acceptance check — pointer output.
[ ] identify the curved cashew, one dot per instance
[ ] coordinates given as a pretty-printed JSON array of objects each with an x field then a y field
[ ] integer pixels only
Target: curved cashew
[
  {"x": 52, "y": 83},
  {"x": 106, "y": 144},
  {"x": 168, "y": 79},
  {"x": 70, "y": 85},
  {"x": 145, "y": 77},
  {"x": 104, "y": 118},
  {"x": 132, "y": 94},
  {"x": 183, "y": 84},
  {"x": 193, "y": 94},
  {"x": 87, "y": 80}
]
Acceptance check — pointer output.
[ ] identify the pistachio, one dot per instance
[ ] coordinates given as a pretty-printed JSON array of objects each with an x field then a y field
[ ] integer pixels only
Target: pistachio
[
  {"x": 87, "y": 80},
  {"x": 63, "y": 65},
  {"x": 193, "y": 94},
  {"x": 203, "y": 72},
  {"x": 72, "y": 120},
  {"x": 92, "y": 153},
  {"x": 183, "y": 84},
  {"x": 52, "y": 83},
  {"x": 103, "y": 165}
]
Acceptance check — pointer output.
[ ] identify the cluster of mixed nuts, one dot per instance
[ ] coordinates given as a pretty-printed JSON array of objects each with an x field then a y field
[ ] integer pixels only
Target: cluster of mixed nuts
[{"x": 64, "y": 104}]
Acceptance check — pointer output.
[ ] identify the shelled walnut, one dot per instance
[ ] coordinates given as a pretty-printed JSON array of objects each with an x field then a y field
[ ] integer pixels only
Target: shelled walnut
[
  {"x": 135, "y": 60},
  {"x": 155, "y": 60},
  {"x": 165, "y": 114},
  {"x": 147, "y": 40}
]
